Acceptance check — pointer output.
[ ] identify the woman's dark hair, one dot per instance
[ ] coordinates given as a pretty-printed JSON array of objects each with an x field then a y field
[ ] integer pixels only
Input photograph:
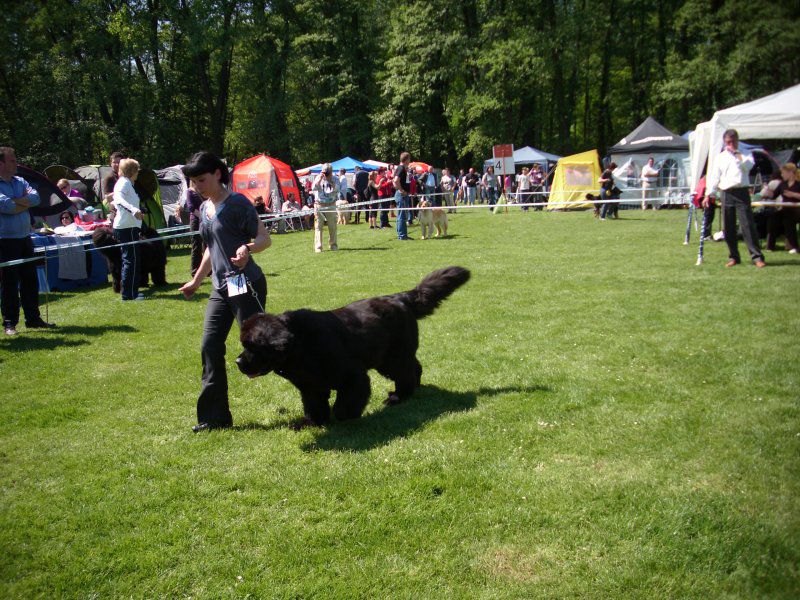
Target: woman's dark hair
[
  {"x": 206, "y": 162},
  {"x": 612, "y": 166},
  {"x": 66, "y": 212}
]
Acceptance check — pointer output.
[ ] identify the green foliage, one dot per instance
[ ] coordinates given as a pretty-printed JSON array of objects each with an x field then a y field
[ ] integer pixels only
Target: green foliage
[
  {"x": 599, "y": 418},
  {"x": 310, "y": 80}
]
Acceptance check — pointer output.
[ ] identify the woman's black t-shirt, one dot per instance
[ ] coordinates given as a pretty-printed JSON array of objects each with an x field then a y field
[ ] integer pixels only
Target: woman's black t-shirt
[
  {"x": 402, "y": 173},
  {"x": 235, "y": 223}
]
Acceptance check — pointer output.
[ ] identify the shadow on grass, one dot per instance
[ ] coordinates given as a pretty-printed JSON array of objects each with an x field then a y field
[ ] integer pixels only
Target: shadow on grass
[
  {"x": 170, "y": 292},
  {"x": 55, "y": 296},
  {"x": 782, "y": 263},
  {"x": 362, "y": 249},
  {"x": 376, "y": 429},
  {"x": 51, "y": 339}
]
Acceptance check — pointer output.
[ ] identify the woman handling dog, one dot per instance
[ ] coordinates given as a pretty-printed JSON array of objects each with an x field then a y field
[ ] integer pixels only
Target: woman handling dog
[{"x": 228, "y": 223}]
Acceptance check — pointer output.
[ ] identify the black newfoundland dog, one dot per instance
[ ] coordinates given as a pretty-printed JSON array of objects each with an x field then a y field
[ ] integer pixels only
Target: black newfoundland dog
[
  {"x": 153, "y": 256},
  {"x": 333, "y": 350}
]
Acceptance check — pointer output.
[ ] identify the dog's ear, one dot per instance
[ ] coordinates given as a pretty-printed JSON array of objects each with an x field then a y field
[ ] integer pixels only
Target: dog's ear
[
  {"x": 266, "y": 330},
  {"x": 281, "y": 336}
]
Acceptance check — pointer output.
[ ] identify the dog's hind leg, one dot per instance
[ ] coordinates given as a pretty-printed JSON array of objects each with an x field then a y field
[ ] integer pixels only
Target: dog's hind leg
[
  {"x": 352, "y": 398},
  {"x": 407, "y": 377},
  {"x": 315, "y": 405}
]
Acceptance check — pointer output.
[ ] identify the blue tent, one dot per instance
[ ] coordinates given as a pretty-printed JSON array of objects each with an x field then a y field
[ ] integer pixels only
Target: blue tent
[{"x": 347, "y": 163}]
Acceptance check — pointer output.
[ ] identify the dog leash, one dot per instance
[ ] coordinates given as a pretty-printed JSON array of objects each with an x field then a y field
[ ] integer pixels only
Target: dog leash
[{"x": 255, "y": 295}]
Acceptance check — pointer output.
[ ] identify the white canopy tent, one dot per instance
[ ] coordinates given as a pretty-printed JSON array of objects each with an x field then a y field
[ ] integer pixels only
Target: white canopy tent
[
  {"x": 377, "y": 163},
  {"x": 771, "y": 117}
]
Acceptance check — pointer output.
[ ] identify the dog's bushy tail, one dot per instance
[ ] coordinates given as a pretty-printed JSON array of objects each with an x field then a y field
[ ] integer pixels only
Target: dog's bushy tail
[{"x": 428, "y": 295}]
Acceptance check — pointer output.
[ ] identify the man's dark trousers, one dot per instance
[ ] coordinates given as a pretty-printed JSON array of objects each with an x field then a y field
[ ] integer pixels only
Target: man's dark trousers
[
  {"x": 19, "y": 282},
  {"x": 735, "y": 202}
]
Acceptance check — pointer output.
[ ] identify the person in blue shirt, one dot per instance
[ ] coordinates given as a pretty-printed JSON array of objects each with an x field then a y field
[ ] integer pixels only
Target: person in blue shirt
[{"x": 19, "y": 282}]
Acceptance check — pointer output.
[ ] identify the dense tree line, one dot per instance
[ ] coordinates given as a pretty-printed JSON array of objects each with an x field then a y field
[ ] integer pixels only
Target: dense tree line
[{"x": 310, "y": 80}]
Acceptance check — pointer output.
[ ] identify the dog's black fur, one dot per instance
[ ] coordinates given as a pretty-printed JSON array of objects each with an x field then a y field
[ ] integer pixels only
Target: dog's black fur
[
  {"x": 153, "y": 256},
  {"x": 333, "y": 350}
]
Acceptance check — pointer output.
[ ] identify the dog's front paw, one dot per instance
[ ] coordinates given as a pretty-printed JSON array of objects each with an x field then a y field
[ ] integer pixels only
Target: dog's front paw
[
  {"x": 301, "y": 424},
  {"x": 392, "y": 399}
]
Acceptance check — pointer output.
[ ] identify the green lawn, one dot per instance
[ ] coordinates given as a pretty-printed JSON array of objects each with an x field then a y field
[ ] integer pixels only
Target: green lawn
[{"x": 599, "y": 418}]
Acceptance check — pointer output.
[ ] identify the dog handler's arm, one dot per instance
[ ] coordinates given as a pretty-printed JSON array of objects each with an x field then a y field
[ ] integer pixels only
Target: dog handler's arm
[
  {"x": 202, "y": 272},
  {"x": 261, "y": 242}
]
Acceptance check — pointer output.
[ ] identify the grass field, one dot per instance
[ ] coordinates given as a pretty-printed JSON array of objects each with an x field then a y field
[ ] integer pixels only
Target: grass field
[{"x": 598, "y": 418}]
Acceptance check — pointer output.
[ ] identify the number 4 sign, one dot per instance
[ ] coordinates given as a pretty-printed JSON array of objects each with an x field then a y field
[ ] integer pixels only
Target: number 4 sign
[{"x": 503, "y": 161}]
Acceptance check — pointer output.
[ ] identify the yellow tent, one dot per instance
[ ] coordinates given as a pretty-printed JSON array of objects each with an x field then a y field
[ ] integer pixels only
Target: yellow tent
[{"x": 575, "y": 177}]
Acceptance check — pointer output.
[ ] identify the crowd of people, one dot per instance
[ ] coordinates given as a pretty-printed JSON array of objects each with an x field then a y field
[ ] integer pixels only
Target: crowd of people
[{"x": 376, "y": 194}]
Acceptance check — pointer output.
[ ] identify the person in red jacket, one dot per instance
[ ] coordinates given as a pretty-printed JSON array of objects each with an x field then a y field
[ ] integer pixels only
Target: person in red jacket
[
  {"x": 385, "y": 193},
  {"x": 700, "y": 200}
]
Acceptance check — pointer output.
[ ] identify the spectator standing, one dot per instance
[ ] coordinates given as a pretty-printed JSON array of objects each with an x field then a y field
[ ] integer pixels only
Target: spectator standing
[
  {"x": 20, "y": 283},
  {"x": 402, "y": 186},
  {"x": 471, "y": 180},
  {"x": 606, "y": 186},
  {"x": 448, "y": 184},
  {"x": 239, "y": 289},
  {"x": 108, "y": 182},
  {"x": 649, "y": 181},
  {"x": 508, "y": 187},
  {"x": 385, "y": 193},
  {"x": 127, "y": 225},
  {"x": 372, "y": 197},
  {"x": 730, "y": 177},
  {"x": 537, "y": 185},
  {"x": 709, "y": 208},
  {"x": 326, "y": 189},
  {"x": 343, "y": 185},
  {"x": 523, "y": 187},
  {"x": 193, "y": 203},
  {"x": 430, "y": 184},
  {"x": 489, "y": 185},
  {"x": 360, "y": 183}
]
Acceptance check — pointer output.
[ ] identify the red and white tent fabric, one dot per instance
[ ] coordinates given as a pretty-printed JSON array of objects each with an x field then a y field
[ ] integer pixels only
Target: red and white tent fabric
[
  {"x": 261, "y": 175},
  {"x": 377, "y": 163}
]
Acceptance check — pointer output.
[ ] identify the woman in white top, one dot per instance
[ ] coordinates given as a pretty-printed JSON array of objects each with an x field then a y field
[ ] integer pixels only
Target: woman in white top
[
  {"x": 523, "y": 188},
  {"x": 127, "y": 224}
]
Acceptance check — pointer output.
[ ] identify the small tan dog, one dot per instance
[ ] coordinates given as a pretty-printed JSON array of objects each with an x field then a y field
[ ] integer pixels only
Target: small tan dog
[
  {"x": 343, "y": 215},
  {"x": 428, "y": 218}
]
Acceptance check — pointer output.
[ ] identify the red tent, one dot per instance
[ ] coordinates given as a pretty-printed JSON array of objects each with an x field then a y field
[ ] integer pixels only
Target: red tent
[
  {"x": 419, "y": 167},
  {"x": 260, "y": 175}
]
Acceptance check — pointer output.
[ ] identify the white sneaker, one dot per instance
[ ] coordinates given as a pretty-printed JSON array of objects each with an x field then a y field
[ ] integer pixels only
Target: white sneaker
[{"x": 793, "y": 251}]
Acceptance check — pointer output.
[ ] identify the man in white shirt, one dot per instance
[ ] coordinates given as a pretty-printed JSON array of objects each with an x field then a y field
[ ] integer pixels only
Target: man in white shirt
[
  {"x": 730, "y": 178},
  {"x": 649, "y": 181}
]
